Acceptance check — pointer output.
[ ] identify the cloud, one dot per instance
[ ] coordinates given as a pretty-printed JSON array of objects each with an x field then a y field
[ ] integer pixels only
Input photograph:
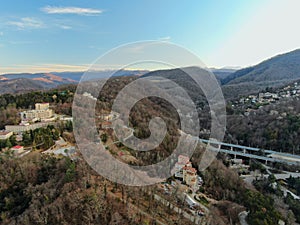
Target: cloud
[
  {"x": 167, "y": 38},
  {"x": 64, "y": 27},
  {"x": 71, "y": 10},
  {"x": 27, "y": 23},
  {"x": 43, "y": 68},
  {"x": 20, "y": 42}
]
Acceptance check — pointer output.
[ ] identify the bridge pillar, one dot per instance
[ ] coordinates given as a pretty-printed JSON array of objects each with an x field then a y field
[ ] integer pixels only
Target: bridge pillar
[
  {"x": 231, "y": 148},
  {"x": 219, "y": 146},
  {"x": 244, "y": 150}
]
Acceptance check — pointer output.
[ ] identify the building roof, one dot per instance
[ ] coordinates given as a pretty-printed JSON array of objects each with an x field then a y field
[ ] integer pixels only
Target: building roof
[
  {"x": 17, "y": 147},
  {"x": 190, "y": 169},
  {"x": 183, "y": 159},
  {"x": 107, "y": 123},
  {"x": 4, "y": 132}
]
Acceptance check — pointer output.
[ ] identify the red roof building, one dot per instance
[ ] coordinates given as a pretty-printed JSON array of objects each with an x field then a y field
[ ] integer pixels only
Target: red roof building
[{"x": 17, "y": 149}]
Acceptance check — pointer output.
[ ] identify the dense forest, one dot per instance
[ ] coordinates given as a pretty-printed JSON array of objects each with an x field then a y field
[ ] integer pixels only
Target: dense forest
[
  {"x": 45, "y": 189},
  {"x": 274, "y": 126}
]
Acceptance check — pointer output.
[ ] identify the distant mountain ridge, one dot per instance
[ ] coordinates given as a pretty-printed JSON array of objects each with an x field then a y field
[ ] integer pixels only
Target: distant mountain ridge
[
  {"x": 23, "y": 82},
  {"x": 284, "y": 67},
  {"x": 46, "y": 77},
  {"x": 16, "y": 83},
  {"x": 19, "y": 85},
  {"x": 274, "y": 72}
]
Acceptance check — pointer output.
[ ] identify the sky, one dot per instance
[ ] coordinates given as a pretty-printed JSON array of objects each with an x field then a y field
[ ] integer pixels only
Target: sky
[{"x": 69, "y": 35}]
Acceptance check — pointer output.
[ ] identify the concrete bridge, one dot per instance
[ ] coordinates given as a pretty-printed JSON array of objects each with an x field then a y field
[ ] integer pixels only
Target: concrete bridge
[{"x": 250, "y": 152}]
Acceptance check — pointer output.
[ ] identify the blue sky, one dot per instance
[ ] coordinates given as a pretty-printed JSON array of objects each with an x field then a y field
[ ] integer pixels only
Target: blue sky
[{"x": 69, "y": 35}]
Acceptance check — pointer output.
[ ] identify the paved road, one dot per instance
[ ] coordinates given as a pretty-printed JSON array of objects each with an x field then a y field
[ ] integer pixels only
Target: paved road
[
  {"x": 242, "y": 217},
  {"x": 249, "y": 179},
  {"x": 191, "y": 198},
  {"x": 286, "y": 191},
  {"x": 23, "y": 154}
]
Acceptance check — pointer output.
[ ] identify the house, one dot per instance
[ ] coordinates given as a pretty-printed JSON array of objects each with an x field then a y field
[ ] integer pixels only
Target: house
[
  {"x": 18, "y": 149},
  {"x": 19, "y": 137},
  {"x": 190, "y": 177},
  {"x": 183, "y": 169},
  {"x": 110, "y": 117},
  {"x": 182, "y": 161},
  {"x": 4, "y": 135},
  {"x": 89, "y": 95},
  {"x": 106, "y": 125},
  {"x": 237, "y": 161}
]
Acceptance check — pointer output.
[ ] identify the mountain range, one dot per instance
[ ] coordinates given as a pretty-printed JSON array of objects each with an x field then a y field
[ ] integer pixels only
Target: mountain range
[
  {"x": 23, "y": 82},
  {"x": 16, "y": 83},
  {"x": 276, "y": 71}
]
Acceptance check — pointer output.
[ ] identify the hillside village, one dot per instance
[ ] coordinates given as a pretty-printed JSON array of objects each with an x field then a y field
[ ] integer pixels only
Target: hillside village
[{"x": 253, "y": 102}]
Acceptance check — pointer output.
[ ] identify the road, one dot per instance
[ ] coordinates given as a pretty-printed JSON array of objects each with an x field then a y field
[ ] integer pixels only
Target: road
[
  {"x": 242, "y": 217},
  {"x": 24, "y": 153},
  {"x": 249, "y": 179},
  {"x": 286, "y": 191},
  {"x": 191, "y": 198}
]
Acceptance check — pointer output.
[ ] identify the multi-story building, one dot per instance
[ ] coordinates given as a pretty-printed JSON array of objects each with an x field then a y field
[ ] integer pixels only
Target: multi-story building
[
  {"x": 190, "y": 177},
  {"x": 42, "y": 106},
  {"x": 182, "y": 161},
  {"x": 183, "y": 169},
  {"x": 41, "y": 112}
]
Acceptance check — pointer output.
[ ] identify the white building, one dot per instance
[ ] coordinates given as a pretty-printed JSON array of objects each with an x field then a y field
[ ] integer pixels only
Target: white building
[
  {"x": 4, "y": 135},
  {"x": 41, "y": 112},
  {"x": 110, "y": 117},
  {"x": 26, "y": 127},
  {"x": 42, "y": 106},
  {"x": 182, "y": 161},
  {"x": 17, "y": 149},
  {"x": 89, "y": 95}
]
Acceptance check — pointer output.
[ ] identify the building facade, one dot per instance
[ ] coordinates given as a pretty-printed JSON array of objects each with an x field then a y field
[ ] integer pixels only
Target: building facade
[
  {"x": 24, "y": 128},
  {"x": 190, "y": 177},
  {"x": 41, "y": 112},
  {"x": 4, "y": 135},
  {"x": 17, "y": 149}
]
